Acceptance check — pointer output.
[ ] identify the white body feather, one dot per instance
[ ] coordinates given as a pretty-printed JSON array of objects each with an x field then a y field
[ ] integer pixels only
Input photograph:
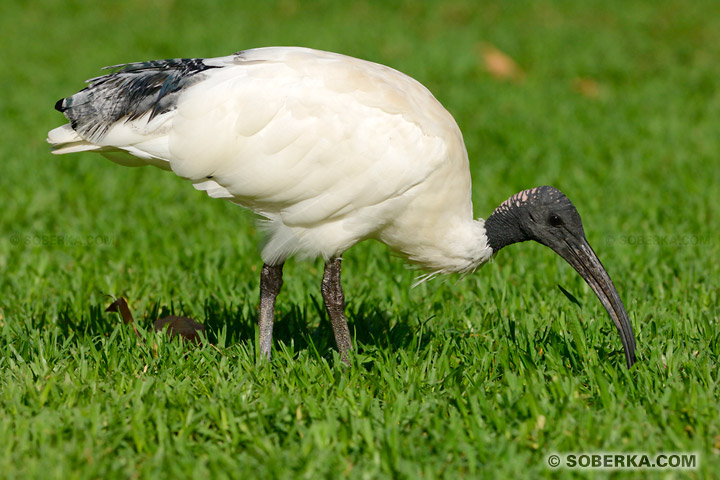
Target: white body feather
[{"x": 330, "y": 149}]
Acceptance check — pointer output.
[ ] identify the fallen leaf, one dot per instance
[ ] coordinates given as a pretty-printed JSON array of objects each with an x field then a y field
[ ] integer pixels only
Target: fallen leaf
[
  {"x": 586, "y": 87},
  {"x": 499, "y": 64},
  {"x": 121, "y": 306},
  {"x": 186, "y": 327}
]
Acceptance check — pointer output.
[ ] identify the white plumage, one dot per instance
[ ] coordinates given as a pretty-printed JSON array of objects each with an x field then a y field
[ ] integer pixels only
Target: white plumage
[{"x": 329, "y": 150}]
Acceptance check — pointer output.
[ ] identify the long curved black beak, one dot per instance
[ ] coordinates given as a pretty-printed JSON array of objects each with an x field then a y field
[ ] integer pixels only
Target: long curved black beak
[{"x": 579, "y": 254}]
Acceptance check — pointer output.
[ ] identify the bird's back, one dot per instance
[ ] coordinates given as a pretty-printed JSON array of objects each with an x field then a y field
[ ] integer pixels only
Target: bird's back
[{"x": 329, "y": 148}]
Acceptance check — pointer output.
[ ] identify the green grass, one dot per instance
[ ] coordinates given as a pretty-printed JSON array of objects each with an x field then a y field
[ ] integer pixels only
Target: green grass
[{"x": 478, "y": 377}]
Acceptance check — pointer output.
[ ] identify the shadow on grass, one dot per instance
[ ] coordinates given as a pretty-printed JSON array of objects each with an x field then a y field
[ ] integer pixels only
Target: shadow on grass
[{"x": 301, "y": 325}]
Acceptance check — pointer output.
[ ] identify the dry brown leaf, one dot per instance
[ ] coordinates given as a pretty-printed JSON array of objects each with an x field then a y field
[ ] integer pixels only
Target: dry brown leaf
[
  {"x": 499, "y": 64},
  {"x": 586, "y": 87},
  {"x": 186, "y": 327},
  {"x": 121, "y": 306}
]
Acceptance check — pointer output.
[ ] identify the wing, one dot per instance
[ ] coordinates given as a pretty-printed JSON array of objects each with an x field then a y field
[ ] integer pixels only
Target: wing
[
  {"x": 298, "y": 135},
  {"x": 308, "y": 135}
]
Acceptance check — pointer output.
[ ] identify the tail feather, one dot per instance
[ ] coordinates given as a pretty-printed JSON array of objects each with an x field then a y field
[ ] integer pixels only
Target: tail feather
[{"x": 66, "y": 140}]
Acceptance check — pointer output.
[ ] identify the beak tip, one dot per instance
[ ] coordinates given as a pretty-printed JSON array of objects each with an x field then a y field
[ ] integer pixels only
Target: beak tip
[
  {"x": 630, "y": 358},
  {"x": 584, "y": 260}
]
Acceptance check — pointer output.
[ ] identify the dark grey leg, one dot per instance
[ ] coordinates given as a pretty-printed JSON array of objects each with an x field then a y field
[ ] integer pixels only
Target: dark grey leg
[
  {"x": 335, "y": 305},
  {"x": 270, "y": 283}
]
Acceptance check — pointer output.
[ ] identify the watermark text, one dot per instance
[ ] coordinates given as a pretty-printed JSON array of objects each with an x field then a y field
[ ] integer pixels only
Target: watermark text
[
  {"x": 62, "y": 240},
  {"x": 623, "y": 461},
  {"x": 671, "y": 240}
]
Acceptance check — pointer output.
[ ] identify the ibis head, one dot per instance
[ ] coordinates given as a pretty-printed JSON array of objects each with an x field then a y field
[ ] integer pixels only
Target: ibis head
[{"x": 547, "y": 216}]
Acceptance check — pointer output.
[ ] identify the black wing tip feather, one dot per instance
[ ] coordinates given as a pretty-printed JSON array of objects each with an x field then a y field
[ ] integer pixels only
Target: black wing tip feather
[
  {"x": 60, "y": 105},
  {"x": 130, "y": 91}
]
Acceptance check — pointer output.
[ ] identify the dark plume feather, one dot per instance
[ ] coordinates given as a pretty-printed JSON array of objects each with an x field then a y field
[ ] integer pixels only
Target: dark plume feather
[{"x": 129, "y": 92}]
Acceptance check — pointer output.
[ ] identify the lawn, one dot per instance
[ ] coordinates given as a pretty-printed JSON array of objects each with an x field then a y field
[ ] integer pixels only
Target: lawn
[{"x": 615, "y": 103}]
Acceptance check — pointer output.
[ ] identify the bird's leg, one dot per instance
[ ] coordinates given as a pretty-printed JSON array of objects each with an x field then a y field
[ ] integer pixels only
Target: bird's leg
[
  {"x": 270, "y": 283},
  {"x": 335, "y": 305}
]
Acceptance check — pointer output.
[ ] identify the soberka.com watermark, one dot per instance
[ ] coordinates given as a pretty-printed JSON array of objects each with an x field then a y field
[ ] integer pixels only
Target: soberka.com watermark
[{"x": 624, "y": 461}]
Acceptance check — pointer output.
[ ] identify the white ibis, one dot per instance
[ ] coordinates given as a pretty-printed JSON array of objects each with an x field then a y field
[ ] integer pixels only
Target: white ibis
[{"x": 329, "y": 150}]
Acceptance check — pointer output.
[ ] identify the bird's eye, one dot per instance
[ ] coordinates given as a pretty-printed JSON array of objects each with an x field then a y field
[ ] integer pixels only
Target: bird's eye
[{"x": 555, "y": 220}]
